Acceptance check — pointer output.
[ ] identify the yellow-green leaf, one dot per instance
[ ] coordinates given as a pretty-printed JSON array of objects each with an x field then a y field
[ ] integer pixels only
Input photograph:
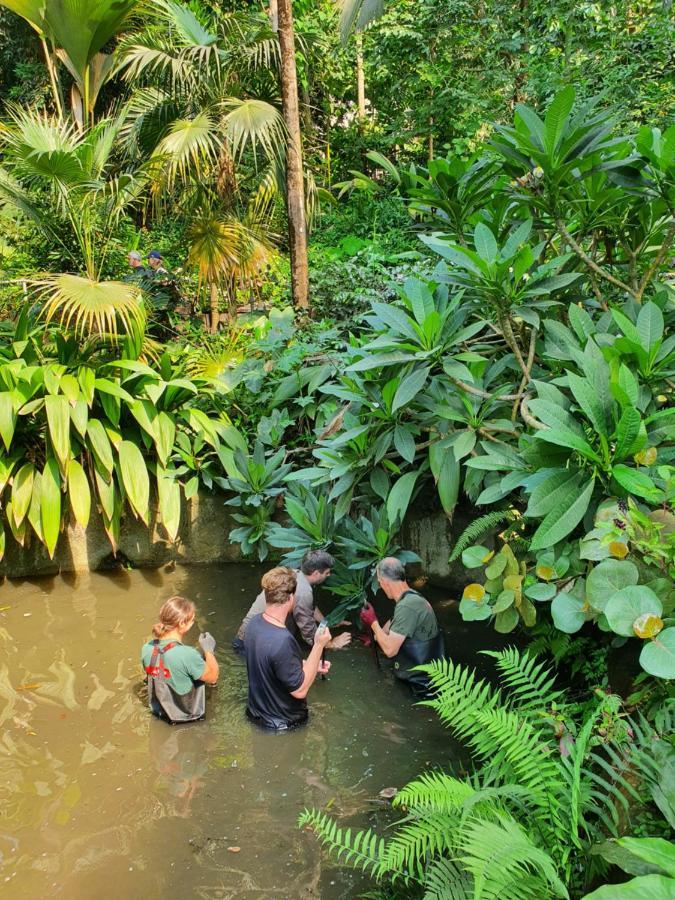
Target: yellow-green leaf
[
  {"x": 168, "y": 490},
  {"x": 79, "y": 414},
  {"x": 7, "y": 418},
  {"x": 22, "y": 488},
  {"x": 18, "y": 531},
  {"x": 50, "y": 504},
  {"x": 34, "y": 515},
  {"x": 135, "y": 478},
  {"x": 2, "y": 540},
  {"x": 100, "y": 444},
  {"x": 79, "y": 493},
  {"x": 166, "y": 435},
  {"x": 58, "y": 419},
  {"x": 70, "y": 388},
  {"x": 86, "y": 378},
  {"x": 106, "y": 494},
  {"x": 146, "y": 416}
]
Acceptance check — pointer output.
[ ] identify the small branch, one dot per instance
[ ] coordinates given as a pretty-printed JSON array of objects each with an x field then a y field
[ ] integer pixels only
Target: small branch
[
  {"x": 656, "y": 262},
  {"x": 527, "y": 417},
  {"x": 592, "y": 265},
  {"x": 526, "y": 375},
  {"x": 477, "y": 392}
]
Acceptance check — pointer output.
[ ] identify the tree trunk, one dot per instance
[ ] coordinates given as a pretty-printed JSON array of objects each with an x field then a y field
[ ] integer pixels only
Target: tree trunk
[
  {"x": 273, "y": 13},
  {"x": 295, "y": 189},
  {"x": 360, "y": 80},
  {"x": 215, "y": 308}
]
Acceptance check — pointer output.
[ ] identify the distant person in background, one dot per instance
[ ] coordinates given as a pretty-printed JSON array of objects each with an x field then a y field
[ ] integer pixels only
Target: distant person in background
[
  {"x": 177, "y": 673},
  {"x": 278, "y": 677},
  {"x": 135, "y": 261},
  {"x": 314, "y": 569},
  {"x": 156, "y": 262},
  {"x": 412, "y": 637}
]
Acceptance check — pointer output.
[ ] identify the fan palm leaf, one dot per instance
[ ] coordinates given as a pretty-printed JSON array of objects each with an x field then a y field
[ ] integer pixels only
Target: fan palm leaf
[
  {"x": 87, "y": 306},
  {"x": 254, "y": 123},
  {"x": 189, "y": 147},
  {"x": 357, "y": 14}
]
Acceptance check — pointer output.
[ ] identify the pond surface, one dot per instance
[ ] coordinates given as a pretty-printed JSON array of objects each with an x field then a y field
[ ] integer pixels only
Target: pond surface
[{"x": 98, "y": 799}]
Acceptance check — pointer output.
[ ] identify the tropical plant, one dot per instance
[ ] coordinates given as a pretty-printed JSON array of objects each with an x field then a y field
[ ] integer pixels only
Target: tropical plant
[
  {"x": 81, "y": 426},
  {"x": 513, "y": 828},
  {"x": 654, "y": 855}
]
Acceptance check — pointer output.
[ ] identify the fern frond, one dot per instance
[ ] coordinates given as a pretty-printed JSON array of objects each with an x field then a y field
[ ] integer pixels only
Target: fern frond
[
  {"x": 436, "y": 792},
  {"x": 445, "y": 880},
  {"x": 531, "y": 683},
  {"x": 421, "y": 836},
  {"x": 364, "y": 850},
  {"x": 459, "y": 695},
  {"x": 505, "y": 863},
  {"x": 478, "y": 528}
]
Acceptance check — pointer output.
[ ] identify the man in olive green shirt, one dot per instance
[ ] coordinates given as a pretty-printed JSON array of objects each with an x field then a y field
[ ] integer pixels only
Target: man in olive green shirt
[{"x": 412, "y": 637}]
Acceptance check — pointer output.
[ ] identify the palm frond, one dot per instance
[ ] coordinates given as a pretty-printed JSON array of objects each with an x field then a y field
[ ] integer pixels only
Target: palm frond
[
  {"x": 254, "y": 123},
  {"x": 191, "y": 146},
  {"x": 90, "y": 306},
  {"x": 357, "y": 14}
]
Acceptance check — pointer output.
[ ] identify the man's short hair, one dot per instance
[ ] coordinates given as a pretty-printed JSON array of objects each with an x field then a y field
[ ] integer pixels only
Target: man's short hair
[
  {"x": 278, "y": 584},
  {"x": 316, "y": 561},
  {"x": 391, "y": 569},
  {"x": 134, "y": 254}
]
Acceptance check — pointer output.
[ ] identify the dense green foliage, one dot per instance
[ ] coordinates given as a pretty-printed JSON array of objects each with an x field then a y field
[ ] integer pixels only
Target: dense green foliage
[{"x": 553, "y": 782}]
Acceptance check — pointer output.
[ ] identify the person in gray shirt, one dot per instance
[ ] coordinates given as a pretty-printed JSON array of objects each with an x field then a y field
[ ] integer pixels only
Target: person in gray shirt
[{"x": 314, "y": 569}]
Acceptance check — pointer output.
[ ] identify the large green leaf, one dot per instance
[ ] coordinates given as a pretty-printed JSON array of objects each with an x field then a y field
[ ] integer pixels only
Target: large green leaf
[
  {"x": 568, "y": 613},
  {"x": 135, "y": 478},
  {"x": 50, "y": 504},
  {"x": 563, "y": 518},
  {"x": 79, "y": 493},
  {"x": 399, "y": 497},
  {"x": 650, "y": 325},
  {"x": 589, "y": 402},
  {"x": 166, "y": 435},
  {"x": 556, "y": 118},
  {"x": 646, "y": 887},
  {"x": 607, "y": 578},
  {"x": 658, "y": 655},
  {"x": 627, "y": 605},
  {"x": 100, "y": 444},
  {"x": 7, "y": 418},
  {"x": 655, "y": 851},
  {"x": 58, "y": 419},
  {"x": 409, "y": 387},
  {"x": 486, "y": 245},
  {"x": 168, "y": 489},
  {"x": 552, "y": 490},
  {"x": 82, "y": 27},
  {"x": 22, "y": 489},
  {"x": 627, "y": 433},
  {"x": 635, "y": 482}
]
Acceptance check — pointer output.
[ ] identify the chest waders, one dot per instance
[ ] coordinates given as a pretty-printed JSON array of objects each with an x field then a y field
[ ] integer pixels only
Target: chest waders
[
  {"x": 418, "y": 653},
  {"x": 163, "y": 700}
]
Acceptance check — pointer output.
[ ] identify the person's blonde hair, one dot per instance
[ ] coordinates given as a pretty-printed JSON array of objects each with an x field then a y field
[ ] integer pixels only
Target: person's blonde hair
[
  {"x": 175, "y": 613},
  {"x": 278, "y": 584}
]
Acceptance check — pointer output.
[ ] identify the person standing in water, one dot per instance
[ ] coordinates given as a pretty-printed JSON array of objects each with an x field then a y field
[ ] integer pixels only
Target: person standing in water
[
  {"x": 177, "y": 673},
  {"x": 412, "y": 637},
  {"x": 278, "y": 677}
]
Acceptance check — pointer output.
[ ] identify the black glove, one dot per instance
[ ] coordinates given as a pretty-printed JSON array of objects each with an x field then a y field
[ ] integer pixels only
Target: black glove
[{"x": 207, "y": 642}]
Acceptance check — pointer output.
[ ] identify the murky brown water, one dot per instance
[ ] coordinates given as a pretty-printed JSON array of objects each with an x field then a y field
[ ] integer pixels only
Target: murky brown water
[{"x": 97, "y": 799}]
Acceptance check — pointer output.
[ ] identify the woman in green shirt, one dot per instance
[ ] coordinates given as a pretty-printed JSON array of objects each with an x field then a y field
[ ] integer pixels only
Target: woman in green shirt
[{"x": 177, "y": 673}]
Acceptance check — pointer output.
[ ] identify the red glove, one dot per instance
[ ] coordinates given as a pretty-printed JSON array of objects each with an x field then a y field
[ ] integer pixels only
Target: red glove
[{"x": 367, "y": 615}]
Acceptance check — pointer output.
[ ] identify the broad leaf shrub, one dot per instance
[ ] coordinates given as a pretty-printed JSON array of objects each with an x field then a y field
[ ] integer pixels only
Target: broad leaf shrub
[
  {"x": 529, "y": 371},
  {"x": 552, "y": 783},
  {"x": 83, "y": 425}
]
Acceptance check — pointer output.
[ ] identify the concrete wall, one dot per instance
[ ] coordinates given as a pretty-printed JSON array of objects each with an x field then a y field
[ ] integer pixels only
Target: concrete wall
[{"x": 203, "y": 538}]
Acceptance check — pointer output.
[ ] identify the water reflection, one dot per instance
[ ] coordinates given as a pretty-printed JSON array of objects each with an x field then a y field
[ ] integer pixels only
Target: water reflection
[{"x": 99, "y": 799}]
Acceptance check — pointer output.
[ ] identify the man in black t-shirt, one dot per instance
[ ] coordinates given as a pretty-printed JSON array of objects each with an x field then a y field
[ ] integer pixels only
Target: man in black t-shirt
[{"x": 278, "y": 677}]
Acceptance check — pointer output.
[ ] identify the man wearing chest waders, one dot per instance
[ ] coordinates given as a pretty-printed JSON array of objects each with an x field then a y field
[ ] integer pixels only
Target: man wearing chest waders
[
  {"x": 176, "y": 673},
  {"x": 412, "y": 637}
]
